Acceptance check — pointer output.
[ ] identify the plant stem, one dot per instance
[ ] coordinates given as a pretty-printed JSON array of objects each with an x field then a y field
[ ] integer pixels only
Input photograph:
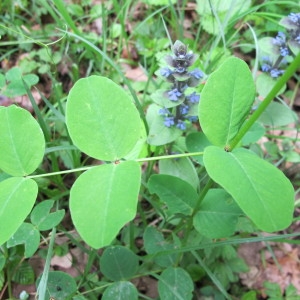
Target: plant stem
[
  {"x": 196, "y": 209},
  {"x": 42, "y": 287},
  {"x": 272, "y": 94},
  {"x": 212, "y": 276},
  {"x": 137, "y": 160}
]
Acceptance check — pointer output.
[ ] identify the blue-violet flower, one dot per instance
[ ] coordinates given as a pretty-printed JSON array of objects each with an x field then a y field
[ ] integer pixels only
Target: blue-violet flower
[
  {"x": 275, "y": 73},
  {"x": 294, "y": 18},
  {"x": 184, "y": 109},
  {"x": 166, "y": 72},
  {"x": 181, "y": 125},
  {"x": 198, "y": 74},
  {"x": 164, "y": 112},
  {"x": 169, "y": 121},
  {"x": 280, "y": 39},
  {"x": 193, "y": 97},
  {"x": 174, "y": 95}
]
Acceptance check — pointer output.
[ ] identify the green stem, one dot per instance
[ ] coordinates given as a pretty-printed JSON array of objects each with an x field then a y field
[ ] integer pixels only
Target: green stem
[
  {"x": 264, "y": 104},
  {"x": 212, "y": 276},
  {"x": 202, "y": 195},
  {"x": 137, "y": 160},
  {"x": 62, "y": 8},
  {"x": 41, "y": 290},
  {"x": 196, "y": 209}
]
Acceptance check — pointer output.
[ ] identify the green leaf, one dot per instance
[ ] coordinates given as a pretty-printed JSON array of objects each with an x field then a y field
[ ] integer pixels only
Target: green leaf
[
  {"x": 102, "y": 119},
  {"x": 221, "y": 6},
  {"x": 2, "y": 279},
  {"x": 251, "y": 295},
  {"x": 30, "y": 79},
  {"x": 24, "y": 274},
  {"x": 28, "y": 235},
  {"x": 225, "y": 10},
  {"x": 14, "y": 89},
  {"x": 159, "y": 134},
  {"x": 103, "y": 200},
  {"x": 179, "y": 195},
  {"x": 118, "y": 263},
  {"x": 43, "y": 219},
  {"x": 13, "y": 74},
  {"x": 291, "y": 292},
  {"x": 122, "y": 290},
  {"x": 2, "y": 81},
  {"x": 261, "y": 190},
  {"x": 116, "y": 30},
  {"x": 75, "y": 10},
  {"x": 140, "y": 147},
  {"x": 175, "y": 284},
  {"x": 253, "y": 134},
  {"x": 265, "y": 83},
  {"x": 273, "y": 289},
  {"x": 197, "y": 142},
  {"x": 22, "y": 144},
  {"x": 2, "y": 260},
  {"x": 17, "y": 197},
  {"x": 60, "y": 285},
  {"x": 266, "y": 48},
  {"x": 16, "y": 86},
  {"x": 180, "y": 167},
  {"x": 294, "y": 46},
  {"x": 277, "y": 114},
  {"x": 154, "y": 242},
  {"x": 226, "y": 100},
  {"x": 218, "y": 215}
]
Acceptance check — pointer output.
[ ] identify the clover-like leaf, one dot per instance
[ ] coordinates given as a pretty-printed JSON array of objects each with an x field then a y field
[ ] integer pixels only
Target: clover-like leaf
[
  {"x": 17, "y": 196},
  {"x": 103, "y": 199},
  {"x": 22, "y": 143},
  {"x": 226, "y": 100},
  {"x": 261, "y": 190},
  {"x": 102, "y": 119}
]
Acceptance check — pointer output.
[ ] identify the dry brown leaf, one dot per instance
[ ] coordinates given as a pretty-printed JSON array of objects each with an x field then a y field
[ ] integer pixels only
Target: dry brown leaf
[
  {"x": 62, "y": 261},
  {"x": 288, "y": 271},
  {"x": 136, "y": 74}
]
